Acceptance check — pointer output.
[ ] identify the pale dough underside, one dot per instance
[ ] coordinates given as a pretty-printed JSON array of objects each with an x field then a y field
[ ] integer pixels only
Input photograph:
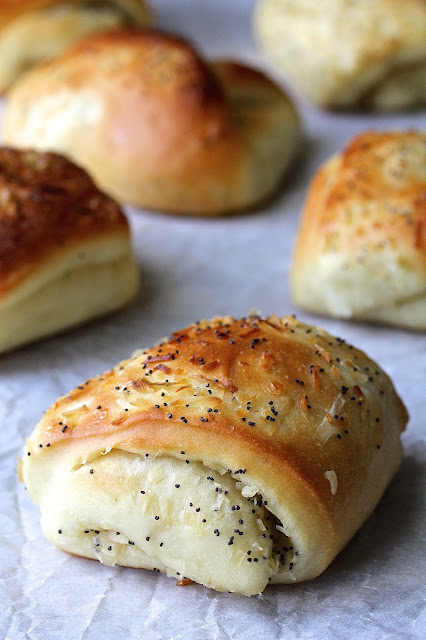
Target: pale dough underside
[
  {"x": 77, "y": 287},
  {"x": 178, "y": 517}
]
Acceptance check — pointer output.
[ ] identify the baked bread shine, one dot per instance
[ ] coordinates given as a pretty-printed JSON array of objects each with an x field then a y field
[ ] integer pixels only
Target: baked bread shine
[
  {"x": 65, "y": 251},
  {"x": 155, "y": 125},
  {"x": 34, "y": 30},
  {"x": 342, "y": 53},
  {"x": 236, "y": 453},
  {"x": 361, "y": 249}
]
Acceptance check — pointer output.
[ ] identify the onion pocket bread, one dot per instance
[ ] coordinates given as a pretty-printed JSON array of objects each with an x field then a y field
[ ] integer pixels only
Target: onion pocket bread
[{"x": 236, "y": 453}]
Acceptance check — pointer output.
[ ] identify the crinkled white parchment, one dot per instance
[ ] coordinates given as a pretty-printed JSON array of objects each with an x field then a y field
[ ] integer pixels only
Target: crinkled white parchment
[{"x": 197, "y": 268}]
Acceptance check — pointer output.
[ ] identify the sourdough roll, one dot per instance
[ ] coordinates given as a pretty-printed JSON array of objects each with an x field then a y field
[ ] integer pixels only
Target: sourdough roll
[
  {"x": 236, "y": 453},
  {"x": 65, "y": 251},
  {"x": 155, "y": 125},
  {"x": 361, "y": 249},
  {"x": 342, "y": 53},
  {"x": 34, "y": 30}
]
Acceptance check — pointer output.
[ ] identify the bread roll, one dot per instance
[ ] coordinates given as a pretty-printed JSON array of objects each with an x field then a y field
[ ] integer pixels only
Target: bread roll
[
  {"x": 361, "y": 250},
  {"x": 65, "y": 252},
  {"x": 33, "y": 30},
  {"x": 341, "y": 53},
  {"x": 236, "y": 453},
  {"x": 157, "y": 127}
]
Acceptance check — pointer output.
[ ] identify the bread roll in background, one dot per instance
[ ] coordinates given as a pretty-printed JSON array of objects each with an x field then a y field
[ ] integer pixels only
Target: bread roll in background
[
  {"x": 65, "y": 250},
  {"x": 34, "y": 30},
  {"x": 155, "y": 125},
  {"x": 236, "y": 453},
  {"x": 341, "y": 53},
  {"x": 361, "y": 249}
]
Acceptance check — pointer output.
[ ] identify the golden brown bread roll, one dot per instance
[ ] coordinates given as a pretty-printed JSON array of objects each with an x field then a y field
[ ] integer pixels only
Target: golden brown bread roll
[
  {"x": 34, "y": 30},
  {"x": 236, "y": 453},
  {"x": 342, "y": 53},
  {"x": 157, "y": 127},
  {"x": 65, "y": 251},
  {"x": 361, "y": 250}
]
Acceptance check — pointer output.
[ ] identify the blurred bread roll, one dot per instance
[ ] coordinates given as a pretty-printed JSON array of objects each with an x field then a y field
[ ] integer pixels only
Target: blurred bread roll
[
  {"x": 65, "y": 251},
  {"x": 241, "y": 451},
  {"x": 34, "y": 30},
  {"x": 361, "y": 250},
  {"x": 155, "y": 125},
  {"x": 341, "y": 53}
]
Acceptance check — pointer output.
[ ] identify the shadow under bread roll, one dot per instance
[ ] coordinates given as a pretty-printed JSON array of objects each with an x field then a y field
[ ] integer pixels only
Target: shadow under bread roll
[
  {"x": 157, "y": 126},
  {"x": 33, "y": 30},
  {"x": 236, "y": 453},
  {"x": 65, "y": 248}
]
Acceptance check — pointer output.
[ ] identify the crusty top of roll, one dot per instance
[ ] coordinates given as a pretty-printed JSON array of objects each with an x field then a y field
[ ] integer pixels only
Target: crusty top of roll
[
  {"x": 46, "y": 202},
  {"x": 243, "y": 361},
  {"x": 362, "y": 242},
  {"x": 285, "y": 404},
  {"x": 11, "y": 9},
  {"x": 157, "y": 126},
  {"x": 386, "y": 171},
  {"x": 173, "y": 88}
]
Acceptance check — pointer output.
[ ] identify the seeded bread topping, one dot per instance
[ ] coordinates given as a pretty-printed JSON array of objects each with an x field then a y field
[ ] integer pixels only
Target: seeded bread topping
[{"x": 266, "y": 421}]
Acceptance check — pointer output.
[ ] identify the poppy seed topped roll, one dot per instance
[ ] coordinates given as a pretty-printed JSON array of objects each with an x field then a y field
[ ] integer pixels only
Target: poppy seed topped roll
[
  {"x": 236, "y": 453},
  {"x": 155, "y": 125},
  {"x": 65, "y": 249},
  {"x": 361, "y": 249}
]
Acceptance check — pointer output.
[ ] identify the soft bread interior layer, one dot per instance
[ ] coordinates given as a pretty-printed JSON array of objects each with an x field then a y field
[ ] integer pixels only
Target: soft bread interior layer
[
  {"x": 76, "y": 289},
  {"x": 407, "y": 313},
  {"x": 361, "y": 301},
  {"x": 106, "y": 249},
  {"x": 42, "y": 34},
  {"x": 174, "y": 516},
  {"x": 391, "y": 84}
]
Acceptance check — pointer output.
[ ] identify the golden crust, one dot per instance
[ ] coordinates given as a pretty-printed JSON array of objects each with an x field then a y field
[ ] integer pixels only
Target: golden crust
[
  {"x": 341, "y": 53},
  {"x": 156, "y": 126},
  {"x": 35, "y": 30},
  {"x": 47, "y": 205},
  {"x": 308, "y": 420},
  {"x": 362, "y": 242}
]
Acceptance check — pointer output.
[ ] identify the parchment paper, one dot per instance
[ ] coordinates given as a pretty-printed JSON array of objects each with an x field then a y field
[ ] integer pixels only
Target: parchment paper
[{"x": 197, "y": 268}]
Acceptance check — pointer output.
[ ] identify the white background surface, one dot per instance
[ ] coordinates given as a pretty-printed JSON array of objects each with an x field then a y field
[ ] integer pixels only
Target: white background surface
[{"x": 196, "y": 268}]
